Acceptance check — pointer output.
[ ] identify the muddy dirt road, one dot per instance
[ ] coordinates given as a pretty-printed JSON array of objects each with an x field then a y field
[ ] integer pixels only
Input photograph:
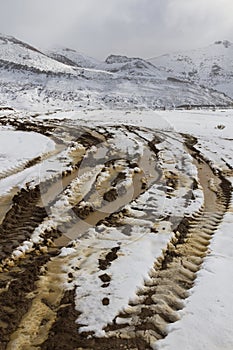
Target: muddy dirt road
[{"x": 118, "y": 187}]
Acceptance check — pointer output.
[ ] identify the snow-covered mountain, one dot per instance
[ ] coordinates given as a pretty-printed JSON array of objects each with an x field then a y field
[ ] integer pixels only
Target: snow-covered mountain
[
  {"x": 15, "y": 53},
  {"x": 211, "y": 66},
  {"x": 131, "y": 66},
  {"x": 63, "y": 78},
  {"x": 72, "y": 57}
]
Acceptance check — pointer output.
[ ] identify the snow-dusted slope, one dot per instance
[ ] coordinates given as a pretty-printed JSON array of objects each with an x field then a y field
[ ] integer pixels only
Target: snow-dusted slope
[
  {"x": 32, "y": 80},
  {"x": 14, "y": 52},
  {"x": 132, "y": 66},
  {"x": 72, "y": 57},
  {"x": 211, "y": 66}
]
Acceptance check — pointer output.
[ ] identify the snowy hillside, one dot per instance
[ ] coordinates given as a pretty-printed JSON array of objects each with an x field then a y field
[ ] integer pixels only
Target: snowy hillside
[
  {"x": 211, "y": 66},
  {"x": 32, "y": 80},
  {"x": 72, "y": 57},
  {"x": 14, "y": 52},
  {"x": 132, "y": 66}
]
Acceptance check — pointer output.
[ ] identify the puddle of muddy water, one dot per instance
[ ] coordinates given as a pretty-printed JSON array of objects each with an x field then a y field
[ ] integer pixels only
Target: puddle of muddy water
[
  {"x": 206, "y": 175},
  {"x": 81, "y": 226},
  {"x": 147, "y": 164},
  {"x": 61, "y": 183}
]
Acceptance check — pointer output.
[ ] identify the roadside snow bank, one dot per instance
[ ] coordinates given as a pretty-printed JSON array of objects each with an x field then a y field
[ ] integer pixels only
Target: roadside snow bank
[{"x": 18, "y": 147}]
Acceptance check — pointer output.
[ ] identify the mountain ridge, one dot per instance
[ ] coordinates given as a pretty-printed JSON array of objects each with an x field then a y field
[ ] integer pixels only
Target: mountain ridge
[
  {"x": 37, "y": 79},
  {"x": 211, "y": 66}
]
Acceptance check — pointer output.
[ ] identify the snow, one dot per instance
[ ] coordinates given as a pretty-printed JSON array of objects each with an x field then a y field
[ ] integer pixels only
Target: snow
[
  {"x": 17, "y": 52},
  {"x": 73, "y": 57},
  {"x": 206, "y": 321},
  {"x": 203, "y": 124},
  {"x": 214, "y": 143},
  {"x": 34, "y": 175},
  {"x": 18, "y": 147}
]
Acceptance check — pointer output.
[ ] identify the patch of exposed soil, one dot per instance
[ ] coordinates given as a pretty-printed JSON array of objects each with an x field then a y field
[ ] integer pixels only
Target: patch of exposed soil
[{"x": 15, "y": 288}]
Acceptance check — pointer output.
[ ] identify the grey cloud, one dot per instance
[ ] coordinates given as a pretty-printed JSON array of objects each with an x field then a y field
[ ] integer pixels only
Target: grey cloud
[{"x": 143, "y": 28}]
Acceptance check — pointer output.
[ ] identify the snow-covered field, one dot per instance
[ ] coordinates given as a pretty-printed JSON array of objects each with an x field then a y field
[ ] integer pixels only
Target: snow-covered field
[{"x": 110, "y": 256}]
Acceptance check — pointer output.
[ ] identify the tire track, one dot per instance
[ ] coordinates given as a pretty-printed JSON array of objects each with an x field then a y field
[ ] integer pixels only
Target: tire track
[
  {"x": 29, "y": 207},
  {"x": 27, "y": 213},
  {"x": 159, "y": 300},
  {"x": 15, "y": 298},
  {"x": 46, "y": 305},
  {"x": 71, "y": 338},
  {"x": 175, "y": 271},
  {"x": 20, "y": 221},
  {"x": 19, "y": 279}
]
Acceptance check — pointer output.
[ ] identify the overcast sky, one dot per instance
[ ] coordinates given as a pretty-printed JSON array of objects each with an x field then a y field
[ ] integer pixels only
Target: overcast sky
[{"x": 144, "y": 28}]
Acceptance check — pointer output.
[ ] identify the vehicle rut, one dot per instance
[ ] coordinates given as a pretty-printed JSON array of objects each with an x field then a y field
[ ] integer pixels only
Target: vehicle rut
[{"x": 175, "y": 271}]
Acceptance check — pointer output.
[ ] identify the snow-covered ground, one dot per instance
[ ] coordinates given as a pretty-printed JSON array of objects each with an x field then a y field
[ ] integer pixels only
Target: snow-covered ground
[
  {"x": 207, "y": 318},
  {"x": 212, "y": 128},
  {"x": 115, "y": 95},
  {"x": 18, "y": 147}
]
